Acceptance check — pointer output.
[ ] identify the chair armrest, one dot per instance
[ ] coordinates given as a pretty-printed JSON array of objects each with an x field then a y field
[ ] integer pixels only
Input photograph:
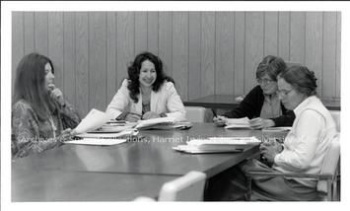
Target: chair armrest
[{"x": 296, "y": 175}]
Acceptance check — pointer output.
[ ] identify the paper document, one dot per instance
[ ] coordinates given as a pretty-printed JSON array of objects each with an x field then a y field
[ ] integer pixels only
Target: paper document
[
  {"x": 133, "y": 132},
  {"x": 97, "y": 141},
  {"x": 225, "y": 140},
  {"x": 218, "y": 145},
  {"x": 147, "y": 124},
  {"x": 93, "y": 120},
  {"x": 232, "y": 123}
]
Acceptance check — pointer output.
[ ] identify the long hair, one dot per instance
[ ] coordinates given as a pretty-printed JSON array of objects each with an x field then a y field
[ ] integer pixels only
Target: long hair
[
  {"x": 134, "y": 74},
  {"x": 30, "y": 85},
  {"x": 301, "y": 78}
]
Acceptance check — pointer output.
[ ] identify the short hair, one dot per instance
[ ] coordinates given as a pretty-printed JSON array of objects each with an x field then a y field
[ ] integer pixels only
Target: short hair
[
  {"x": 301, "y": 78},
  {"x": 30, "y": 85},
  {"x": 134, "y": 73},
  {"x": 272, "y": 66}
]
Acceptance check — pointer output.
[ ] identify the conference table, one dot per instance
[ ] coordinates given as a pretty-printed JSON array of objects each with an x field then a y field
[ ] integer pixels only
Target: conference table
[{"x": 121, "y": 172}]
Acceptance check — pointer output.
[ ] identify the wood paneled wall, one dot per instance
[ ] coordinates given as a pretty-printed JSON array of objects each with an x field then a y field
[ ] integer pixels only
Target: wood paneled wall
[{"x": 205, "y": 52}]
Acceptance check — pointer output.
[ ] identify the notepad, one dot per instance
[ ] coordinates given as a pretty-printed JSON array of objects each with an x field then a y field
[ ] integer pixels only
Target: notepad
[
  {"x": 218, "y": 145},
  {"x": 237, "y": 123},
  {"x": 97, "y": 141}
]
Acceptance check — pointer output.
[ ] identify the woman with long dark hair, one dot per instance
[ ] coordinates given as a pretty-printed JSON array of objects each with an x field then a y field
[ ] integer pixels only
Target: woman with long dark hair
[
  {"x": 147, "y": 93},
  {"x": 41, "y": 118}
]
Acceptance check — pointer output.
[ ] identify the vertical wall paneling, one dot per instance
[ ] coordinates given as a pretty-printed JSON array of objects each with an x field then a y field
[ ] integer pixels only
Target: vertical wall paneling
[
  {"x": 165, "y": 40},
  {"x": 17, "y": 43},
  {"x": 125, "y": 44},
  {"x": 56, "y": 46},
  {"x": 208, "y": 53},
  {"x": 69, "y": 56},
  {"x": 313, "y": 44},
  {"x": 329, "y": 54},
  {"x": 180, "y": 53},
  {"x": 194, "y": 57},
  {"x": 152, "y": 30},
  {"x": 82, "y": 62},
  {"x": 41, "y": 32},
  {"x": 338, "y": 56},
  {"x": 141, "y": 39},
  {"x": 254, "y": 46},
  {"x": 28, "y": 32},
  {"x": 271, "y": 33},
  {"x": 239, "y": 52},
  {"x": 224, "y": 69},
  {"x": 97, "y": 60},
  {"x": 283, "y": 35},
  {"x": 111, "y": 56},
  {"x": 297, "y": 37}
]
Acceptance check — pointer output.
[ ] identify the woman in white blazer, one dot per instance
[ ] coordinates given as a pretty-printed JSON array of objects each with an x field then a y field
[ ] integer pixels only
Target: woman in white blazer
[{"x": 147, "y": 93}]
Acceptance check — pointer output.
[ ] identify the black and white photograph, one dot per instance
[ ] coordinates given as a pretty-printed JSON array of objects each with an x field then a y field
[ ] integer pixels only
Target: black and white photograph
[{"x": 109, "y": 105}]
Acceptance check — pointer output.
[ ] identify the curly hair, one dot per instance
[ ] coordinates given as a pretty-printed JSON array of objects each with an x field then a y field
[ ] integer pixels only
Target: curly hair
[
  {"x": 301, "y": 78},
  {"x": 134, "y": 74},
  {"x": 30, "y": 85},
  {"x": 271, "y": 65}
]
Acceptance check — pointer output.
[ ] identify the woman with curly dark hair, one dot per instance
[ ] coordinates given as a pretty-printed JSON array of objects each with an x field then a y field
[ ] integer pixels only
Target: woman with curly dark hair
[{"x": 147, "y": 93}]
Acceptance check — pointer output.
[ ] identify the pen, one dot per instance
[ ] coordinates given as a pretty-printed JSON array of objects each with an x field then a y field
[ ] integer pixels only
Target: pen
[{"x": 214, "y": 113}]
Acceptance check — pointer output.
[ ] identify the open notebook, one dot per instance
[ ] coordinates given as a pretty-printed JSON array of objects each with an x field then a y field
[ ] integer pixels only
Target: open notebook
[{"x": 218, "y": 145}]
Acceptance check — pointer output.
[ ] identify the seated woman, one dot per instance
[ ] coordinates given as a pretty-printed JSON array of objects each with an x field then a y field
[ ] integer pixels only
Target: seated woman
[
  {"x": 262, "y": 105},
  {"x": 147, "y": 93},
  {"x": 41, "y": 118},
  {"x": 305, "y": 146}
]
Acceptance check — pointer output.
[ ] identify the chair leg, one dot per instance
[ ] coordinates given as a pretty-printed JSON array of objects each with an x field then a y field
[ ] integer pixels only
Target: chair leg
[{"x": 249, "y": 183}]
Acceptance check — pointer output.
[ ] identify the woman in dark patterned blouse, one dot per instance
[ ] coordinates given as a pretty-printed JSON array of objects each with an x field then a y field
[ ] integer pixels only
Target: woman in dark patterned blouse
[{"x": 41, "y": 118}]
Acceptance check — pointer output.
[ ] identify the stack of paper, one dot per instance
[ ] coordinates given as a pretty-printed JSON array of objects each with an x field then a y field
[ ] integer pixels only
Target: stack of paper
[
  {"x": 218, "y": 145},
  {"x": 156, "y": 122},
  {"x": 233, "y": 123},
  {"x": 97, "y": 129}
]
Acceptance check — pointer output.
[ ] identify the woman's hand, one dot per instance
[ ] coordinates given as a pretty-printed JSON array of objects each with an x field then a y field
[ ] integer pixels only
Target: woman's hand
[
  {"x": 67, "y": 135},
  {"x": 132, "y": 117},
  {"x": 150, "y": 115},
  {"x": 57, "y": 94},
  {"x": 270, "y": 149},
  {"x": 260, "y": 123},
  {"x": 219, "y": 121}
]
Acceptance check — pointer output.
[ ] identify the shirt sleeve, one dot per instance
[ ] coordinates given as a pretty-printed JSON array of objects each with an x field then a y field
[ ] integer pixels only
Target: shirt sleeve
[
  {"x": 25, "y": 137},
  {"x": 69, "y": 116},
  {"x": 300, "y": 149},
  {"x": 119, "y": 102},
  {"x": 175, "y": 105}
]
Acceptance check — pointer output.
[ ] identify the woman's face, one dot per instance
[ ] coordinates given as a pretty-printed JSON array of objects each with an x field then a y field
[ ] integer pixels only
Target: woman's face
[
  {"x": 49, "y": 77},
  {"x": 268, "y": 85},
  {"x": 148, "y": 74},
  {"x": 289, "y": 96}
]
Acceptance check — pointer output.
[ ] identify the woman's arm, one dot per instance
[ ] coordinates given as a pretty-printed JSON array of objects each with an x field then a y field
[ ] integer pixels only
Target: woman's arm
[
  {"x": 175, "y": 105},
  {"x": 119, "y": 102},
  {"x": 25, "y": 131},
  {"x": 299, "y": 152}
]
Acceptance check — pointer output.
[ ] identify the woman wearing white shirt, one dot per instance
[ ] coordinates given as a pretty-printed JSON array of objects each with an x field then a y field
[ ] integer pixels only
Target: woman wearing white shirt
[
  {"x": 304, "y": 147},
  {"x": 147, "y": 93}
]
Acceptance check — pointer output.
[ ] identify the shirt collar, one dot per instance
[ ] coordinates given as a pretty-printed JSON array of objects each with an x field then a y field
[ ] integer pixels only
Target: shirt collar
[{"x": 303, "y": 105}]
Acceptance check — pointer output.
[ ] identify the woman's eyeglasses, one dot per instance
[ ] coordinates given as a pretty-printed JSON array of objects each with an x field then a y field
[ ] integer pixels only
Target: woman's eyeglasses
[
  {"x": 284, "y": 92},
  {"x": 264, "y": 81}
]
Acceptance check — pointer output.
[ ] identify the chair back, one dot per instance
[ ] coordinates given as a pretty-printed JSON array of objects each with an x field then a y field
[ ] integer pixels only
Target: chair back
[
  {"x": 336, "y": 116},
  {"x": 189, "y": 187},
  {"x": 330, "y": 164},
  {"x": 195, "y": 113}
]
